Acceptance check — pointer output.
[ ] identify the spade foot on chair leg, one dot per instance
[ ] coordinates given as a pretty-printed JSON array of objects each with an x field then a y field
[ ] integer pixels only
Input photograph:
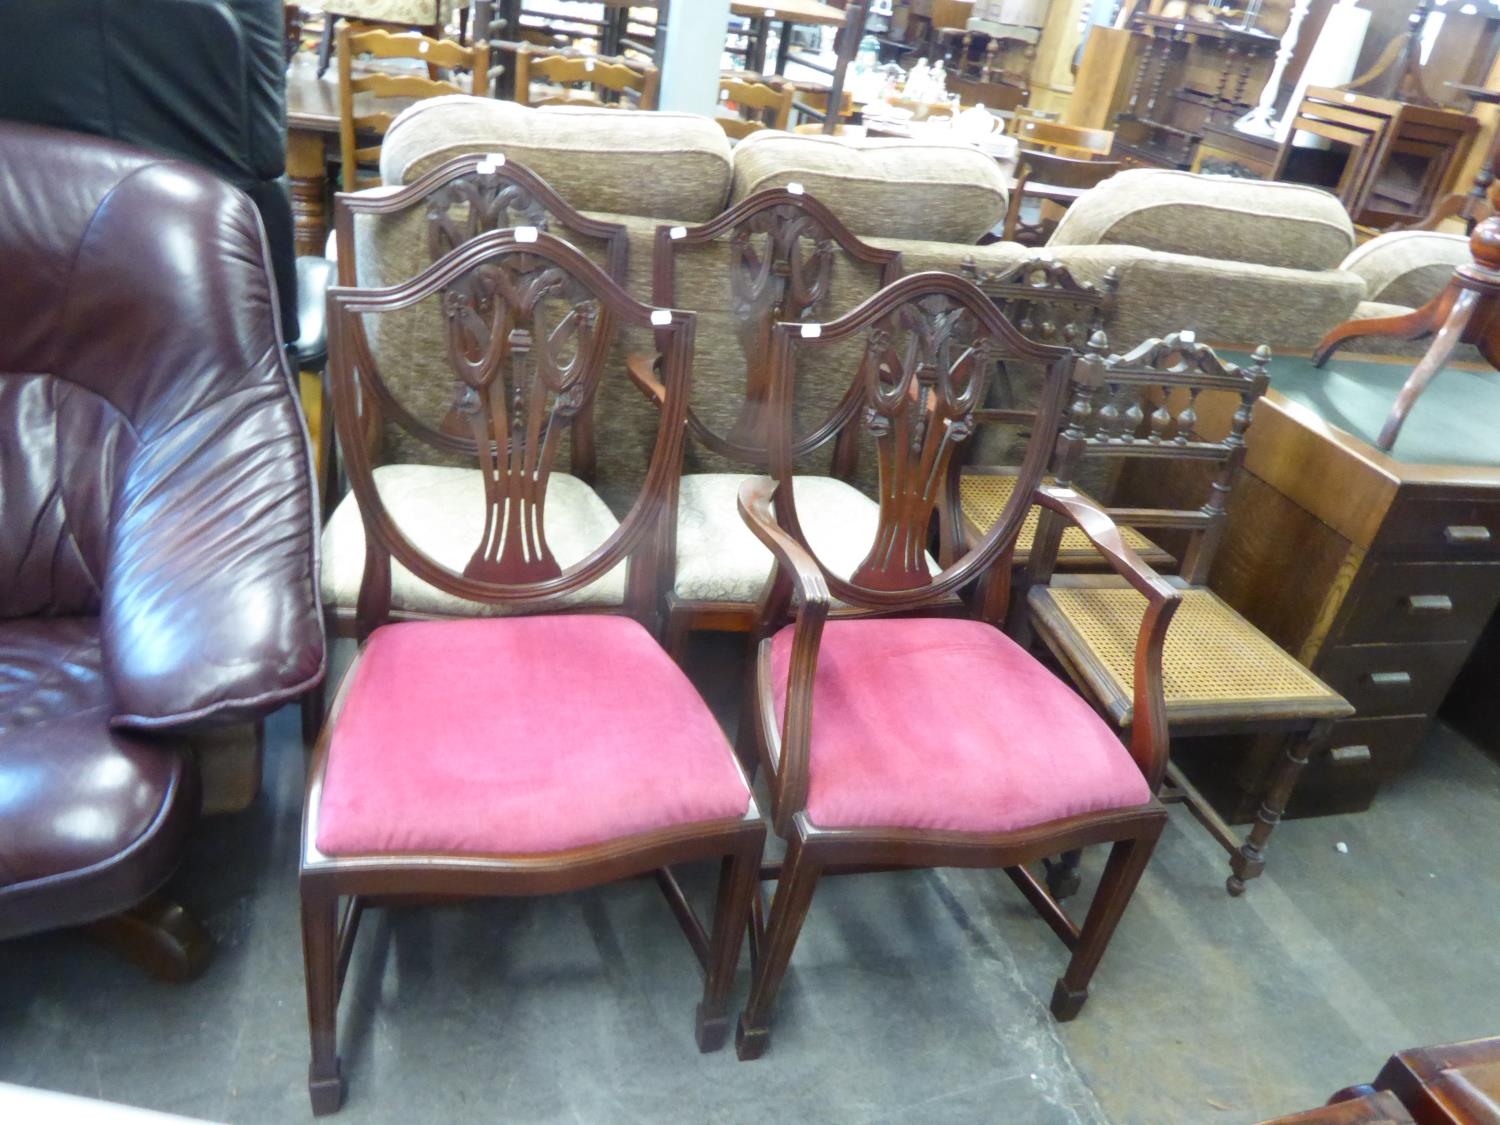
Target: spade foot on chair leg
[
  {"x": 751, "y": 1042},
  {"x": 159, "y": 937},
  {"x": 326, "y": 1091},
  {"x": 711, "y": 1032},
  {"x": 1066, "y": 1004}
]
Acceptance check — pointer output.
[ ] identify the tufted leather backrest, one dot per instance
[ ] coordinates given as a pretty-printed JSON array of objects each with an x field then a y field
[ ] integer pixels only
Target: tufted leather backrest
[{"x": 154, "y": 466}]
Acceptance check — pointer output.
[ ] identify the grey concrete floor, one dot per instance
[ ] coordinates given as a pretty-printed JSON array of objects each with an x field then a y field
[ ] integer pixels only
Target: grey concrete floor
[{"x": 913, "y": 997}]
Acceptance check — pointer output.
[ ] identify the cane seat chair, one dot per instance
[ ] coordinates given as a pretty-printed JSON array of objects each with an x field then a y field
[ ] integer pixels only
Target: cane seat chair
[
  {"x": 364, "y": 122},
  {"x": 747, "y": 106},
  {"x": 844, "y": 710},
  {"x": 573, "y": 78},
  {"x": 777, "y": 255},
  {"x": 533, "y": 753},
  {"x": 1221, "y": 674},
  {"x": 387, "y": 237}
]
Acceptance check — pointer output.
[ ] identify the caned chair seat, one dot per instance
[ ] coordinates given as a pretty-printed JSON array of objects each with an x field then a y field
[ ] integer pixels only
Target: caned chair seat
[
  {"x": 1215, "y": 663},
  {"x": 1026, "y": 752},
  {"x": 720, "y": 560},
  {"x": 983, "y": 496},
  {"x": 517, "y": 765},
  {"x": 442, "y": 507}
]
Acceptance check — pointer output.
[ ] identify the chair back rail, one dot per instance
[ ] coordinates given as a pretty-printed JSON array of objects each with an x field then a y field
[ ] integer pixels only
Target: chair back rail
[
  {"x": 564, "y": 69},
  {"x": 759, "y": 105},
  {"x": 1144, "y": 405},
  {"x": 931, "y": 345},
  {"x": 529, "y": 321},
  {"x": 384, "y": 85}
]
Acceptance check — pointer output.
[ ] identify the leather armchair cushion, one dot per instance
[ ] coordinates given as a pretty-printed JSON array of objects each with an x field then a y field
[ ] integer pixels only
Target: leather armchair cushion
[
  {"x": 1408, "y": 267},
  {"x": 667, "y": 165},
  {"x": 1290, "y": 226},
  {"x": 441, "y": 509},
  {"x": 1019, "y": 748},
  {"x": 950, "y": 192},
  {"x": 522, "y": 736},
  {"x": 94, "y": 818},
  {"x": 720, "y": 560}
]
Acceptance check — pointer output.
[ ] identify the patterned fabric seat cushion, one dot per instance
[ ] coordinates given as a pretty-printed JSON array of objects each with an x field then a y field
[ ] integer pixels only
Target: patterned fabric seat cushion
[
  {"x": 667, "y": 165},
  {"x": 1408, "y": 267},
  {"x": 520, "y": 736},
  {"x": 1290, "y": 226},
  {"x": 880, "y": 188},
  {"x": 1019, "y": 748},
  {"x": 441, "y": 509},
  {"x": 720, "y": 560}
]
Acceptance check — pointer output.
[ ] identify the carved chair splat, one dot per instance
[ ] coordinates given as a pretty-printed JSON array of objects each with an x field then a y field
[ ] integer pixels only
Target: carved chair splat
[
  {"x": 404, "y": 805},
  {"x": 785, "y": 250},
  {"x": 931, "y": 342},
  {"x": 1223, "y": 675}
]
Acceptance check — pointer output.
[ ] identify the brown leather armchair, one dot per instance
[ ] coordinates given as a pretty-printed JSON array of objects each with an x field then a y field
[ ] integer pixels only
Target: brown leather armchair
[{"x": 158, "y": 566}]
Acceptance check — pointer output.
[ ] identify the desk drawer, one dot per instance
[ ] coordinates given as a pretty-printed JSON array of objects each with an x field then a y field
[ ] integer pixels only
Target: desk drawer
[
  {"x": 1448, "y": 529},
  {"x": 1364, "y": 750},
  {"x": 1393, "y": 679},
  {"x": 1400, "y": 602}
]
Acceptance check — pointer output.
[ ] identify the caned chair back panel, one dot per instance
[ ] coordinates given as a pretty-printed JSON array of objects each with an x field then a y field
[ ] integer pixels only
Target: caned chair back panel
[
  {"x": 777, "y": 255},
  {"x": 411, "y": 227},
  {"x": 757, "y": 106},
  {"x": 568, "y": 69},
  {"x": 529, "y": 321},
  {"x": 929, "y": 348},
  {"x": 1144, "y": 405},
  {"x": 393, "y": 91}
]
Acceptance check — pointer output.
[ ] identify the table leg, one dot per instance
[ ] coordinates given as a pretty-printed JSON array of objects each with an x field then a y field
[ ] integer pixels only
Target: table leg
[
  {"x": 307, "y": 169},
  {"x": 759, "y": 41},
  {"x": 1433, "y": 361},
  {"x": 1250, "y": 860},
  {"x": 784, "y": 46}
]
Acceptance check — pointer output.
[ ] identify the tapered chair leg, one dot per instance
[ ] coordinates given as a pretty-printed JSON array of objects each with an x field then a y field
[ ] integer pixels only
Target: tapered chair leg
[
  {"x": 325, "y": 1081},
  {"x": 312, "y": 705},
  {"x": 1127, "y": 862},
  {"x": 325, "y": 44},
  {"x": 738, "y": 883},
  {"x": 794, "y": 891}
]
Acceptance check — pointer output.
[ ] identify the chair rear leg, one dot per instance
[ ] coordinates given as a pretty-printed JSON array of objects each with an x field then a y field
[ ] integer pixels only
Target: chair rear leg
[
  {"x": 739, "y": 879},
  {"x": 1127, "y": 862},
  {"x": 794, "y": 891},
  {"x": 325, "y": 1080}
]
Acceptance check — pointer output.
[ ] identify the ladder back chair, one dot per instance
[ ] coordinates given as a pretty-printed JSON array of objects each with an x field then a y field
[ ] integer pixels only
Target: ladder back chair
[
  {"x": 1064, "y": 140},
  {"x": 390, "y": 236},
  {"x": 843, "y": 709},
  {"x": 541, "y": 751},
  {"x": 777, "y": 255},
  {"x": 549, "y": 78},
  {"x": 360, "y": 123},
  {"x": 1222, "y": 674},
  {"x": 428, "y": 17},
  {"x": 1053, "y": 181},
  {"x": 1046, "y": 303},
  {"x": 753, "y": 106}
]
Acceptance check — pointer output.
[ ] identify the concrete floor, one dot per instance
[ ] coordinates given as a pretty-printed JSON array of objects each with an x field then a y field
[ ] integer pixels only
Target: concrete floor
[{"x": 913, "y": 997}]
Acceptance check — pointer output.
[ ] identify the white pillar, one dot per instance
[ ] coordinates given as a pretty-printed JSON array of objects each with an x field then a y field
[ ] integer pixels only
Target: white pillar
[{"x": 695, "y": 43}]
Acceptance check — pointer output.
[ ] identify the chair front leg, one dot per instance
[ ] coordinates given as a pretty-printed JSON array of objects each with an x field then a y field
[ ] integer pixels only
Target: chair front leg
[
  {"x": 1127, "y": 862},
  {"x": 794, "y": 891},
  {"x": 325, "y": 1081},
  {"x": 739, "y": 879}
]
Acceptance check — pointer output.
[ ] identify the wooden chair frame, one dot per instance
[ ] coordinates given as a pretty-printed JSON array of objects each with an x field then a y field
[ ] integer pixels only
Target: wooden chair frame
[
  {"x": 1054, "y": 180},
  {"x": 761, "y": 105},
  {"x": 1064, "y": 140},
  {"x": 568, "y": 68},
  {"x": 531, "y": 270},
  {"x": 765, "y": 291},
  {"x": 920, "y": 410},
  {"x": 1123, "y": 407},
  {"x": 436, "y": 53}
]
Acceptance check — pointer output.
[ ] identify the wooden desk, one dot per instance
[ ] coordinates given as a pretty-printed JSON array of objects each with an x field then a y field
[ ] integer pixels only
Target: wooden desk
[{"x": 1378, "y": 571}]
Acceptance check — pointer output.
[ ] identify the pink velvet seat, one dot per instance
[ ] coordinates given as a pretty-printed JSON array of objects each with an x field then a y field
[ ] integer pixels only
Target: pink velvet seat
[
  {"x": 519, "y": 736},
  {"x": 942, "y": 723}
]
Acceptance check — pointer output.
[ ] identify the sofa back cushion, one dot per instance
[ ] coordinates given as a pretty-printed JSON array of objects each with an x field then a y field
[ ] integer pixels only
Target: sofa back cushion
[
  {"x": 1408, "y": 267},
  {"x": 661, "y": 165},
  {"x": 945, "y": 192},
  {"x": 1291, "y": 226}
]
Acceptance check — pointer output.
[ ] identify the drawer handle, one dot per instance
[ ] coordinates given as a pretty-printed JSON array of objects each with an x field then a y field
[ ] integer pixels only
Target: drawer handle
[
  {"x": 1390, "y": 679},
  {"x": 1429, "y": 603},
  {"x": 1349, "y": 755},
  {"x": 1466, "y": 533}
]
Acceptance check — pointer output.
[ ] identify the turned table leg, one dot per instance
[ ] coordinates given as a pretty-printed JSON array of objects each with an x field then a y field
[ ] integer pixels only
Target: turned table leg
[
  {"x": 307, "y": 169},
  {"x": 1250, "y": 860}
]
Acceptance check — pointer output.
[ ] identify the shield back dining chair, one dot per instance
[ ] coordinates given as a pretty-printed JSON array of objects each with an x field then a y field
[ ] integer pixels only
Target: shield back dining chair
[{"x": 552, "y": 745}]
